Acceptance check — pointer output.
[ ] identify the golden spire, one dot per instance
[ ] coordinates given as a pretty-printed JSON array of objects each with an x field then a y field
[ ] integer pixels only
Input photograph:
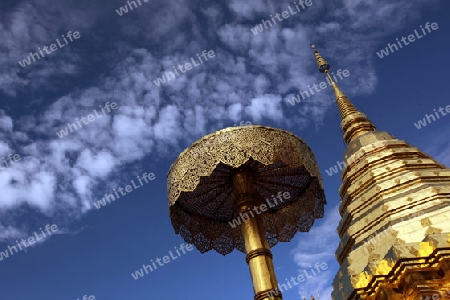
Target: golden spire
[{"x": 354, "y": 123}]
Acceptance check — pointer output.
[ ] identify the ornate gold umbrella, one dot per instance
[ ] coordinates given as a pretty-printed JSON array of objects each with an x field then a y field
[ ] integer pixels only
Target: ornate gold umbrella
[{"x": 221, "y": 178}]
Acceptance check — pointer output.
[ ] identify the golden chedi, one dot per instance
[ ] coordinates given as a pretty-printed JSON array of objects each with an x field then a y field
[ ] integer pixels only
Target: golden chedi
[{"x": 397, "y": 192}]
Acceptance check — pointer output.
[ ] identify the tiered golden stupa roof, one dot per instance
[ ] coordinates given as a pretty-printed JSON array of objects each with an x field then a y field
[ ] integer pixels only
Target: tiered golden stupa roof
[{"x": 388, "y": 250}]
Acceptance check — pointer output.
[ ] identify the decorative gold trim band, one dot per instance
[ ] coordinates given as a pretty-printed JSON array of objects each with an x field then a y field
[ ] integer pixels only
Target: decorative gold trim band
[
  {"x": 269, "y": 294},
  {"x": 245, "y": 201},
  {"x": 257, "y": 252}
]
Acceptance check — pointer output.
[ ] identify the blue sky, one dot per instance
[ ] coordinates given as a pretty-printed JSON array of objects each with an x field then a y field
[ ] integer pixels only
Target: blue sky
[{"x": 251, "y": 78}]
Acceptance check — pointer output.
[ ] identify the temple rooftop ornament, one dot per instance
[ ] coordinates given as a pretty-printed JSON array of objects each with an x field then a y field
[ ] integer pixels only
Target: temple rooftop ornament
[{"x": 381, "y": 193}]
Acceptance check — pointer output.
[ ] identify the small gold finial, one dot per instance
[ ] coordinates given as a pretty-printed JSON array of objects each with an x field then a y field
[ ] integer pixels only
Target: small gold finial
[
  {"x": 321, "y": 62},
  {"x": 356, "y": 123}
]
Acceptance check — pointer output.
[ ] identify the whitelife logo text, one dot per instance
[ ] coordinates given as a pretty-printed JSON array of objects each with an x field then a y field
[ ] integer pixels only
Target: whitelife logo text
[
  {"x": 31, "y": 240},
  {"x": 128, "y": 188},
  {"x": 263, "y": 207},
  {"x": 411, "y": 38},
  {"x": 285, "y": 14},
  {"x": 165, "y": 260},
  {"x": 168, "y": 74},
  {"x": 10, "y": 157},
  {"x": 90, "y": 118},
  {"x": 423, "y": 122},
  {"x": 27, "y": 61}
]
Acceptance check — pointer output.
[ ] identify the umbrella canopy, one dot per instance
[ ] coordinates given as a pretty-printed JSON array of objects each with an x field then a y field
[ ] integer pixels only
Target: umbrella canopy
[{"x": 200, "y": 186}]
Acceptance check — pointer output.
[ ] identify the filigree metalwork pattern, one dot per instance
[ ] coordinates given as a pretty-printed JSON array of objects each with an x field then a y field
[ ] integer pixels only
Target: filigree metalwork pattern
[
  {"x": 234, "y": 146},
  {"x": 201, "y": 198}
]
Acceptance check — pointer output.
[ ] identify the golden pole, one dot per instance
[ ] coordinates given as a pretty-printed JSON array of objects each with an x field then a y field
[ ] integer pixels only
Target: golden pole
[{"x": 259, "y": 256}]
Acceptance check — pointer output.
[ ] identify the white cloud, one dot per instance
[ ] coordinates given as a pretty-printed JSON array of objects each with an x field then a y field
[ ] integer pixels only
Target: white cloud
[
  {"x": 6, "y": 123},
  {"x": 98, "y": 164},
  {"x": 235, "y": 111},
  {"x": 9, "y": 232},
  {"x": 248, "y": 9},
  {"x": 4, "y": 150},
  {"x": 319, "y": 248},
  {"x": 32, "y": 25},
  {"x": 265, "y": 106}
]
